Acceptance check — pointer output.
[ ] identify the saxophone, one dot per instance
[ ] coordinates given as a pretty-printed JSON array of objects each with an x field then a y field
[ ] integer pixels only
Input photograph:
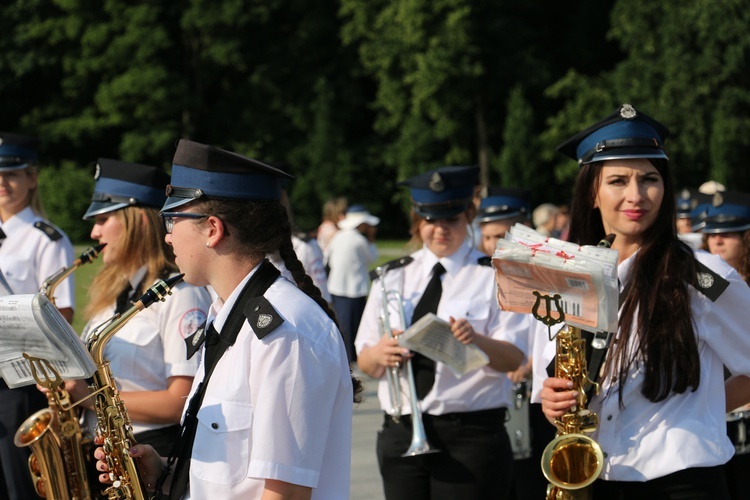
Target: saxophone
[
  {"x": 572, "y": 461},
  {"x": 113, "y": 423},
  {"x": 57, "y": 464}
]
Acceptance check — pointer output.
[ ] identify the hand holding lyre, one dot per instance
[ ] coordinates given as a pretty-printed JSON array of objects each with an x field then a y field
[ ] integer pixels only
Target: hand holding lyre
[{"x": 557, "y": 397}]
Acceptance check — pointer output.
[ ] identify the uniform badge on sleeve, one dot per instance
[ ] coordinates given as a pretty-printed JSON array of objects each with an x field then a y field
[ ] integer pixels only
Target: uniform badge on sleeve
[{"x": 261, "y": 316}]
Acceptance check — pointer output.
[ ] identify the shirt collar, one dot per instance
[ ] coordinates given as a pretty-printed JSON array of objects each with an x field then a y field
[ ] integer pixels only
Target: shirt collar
[
  {"x": 219, "y": 310},
  {"x": 624, "y": 269},
  {"x": 24, "y": 217},
  {"x": 137, "y": 277},
  {"x": 452, "y": 263}
]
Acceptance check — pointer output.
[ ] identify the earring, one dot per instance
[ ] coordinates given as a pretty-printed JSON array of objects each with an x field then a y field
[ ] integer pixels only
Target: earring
[{"x": 208, "y": 244}]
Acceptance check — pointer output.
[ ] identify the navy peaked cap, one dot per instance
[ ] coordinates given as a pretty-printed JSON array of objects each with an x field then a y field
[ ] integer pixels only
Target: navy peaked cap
[
  {"x": 504, "y": 203},
  {"x": 728, "y": 212},
  {"x": 202, "y": 170},
  {"x": 443, "y": 192},
  {"x": 120, "y": 184},
  {"x": 625, "y": 134},
  {"x": 17, "y": 151}
]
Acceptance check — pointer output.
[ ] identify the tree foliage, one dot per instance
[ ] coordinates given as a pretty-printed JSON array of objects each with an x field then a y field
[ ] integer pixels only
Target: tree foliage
[{"x": 357, "y": 96}]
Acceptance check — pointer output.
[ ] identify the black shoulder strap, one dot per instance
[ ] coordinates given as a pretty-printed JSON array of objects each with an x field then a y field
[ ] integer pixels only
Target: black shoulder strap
[
  {"x": 391, "y": 265},
  {"x": 708, "y": 282},
  {"x": 485, "y": 261},
  {"x": 52, "y": 232}
]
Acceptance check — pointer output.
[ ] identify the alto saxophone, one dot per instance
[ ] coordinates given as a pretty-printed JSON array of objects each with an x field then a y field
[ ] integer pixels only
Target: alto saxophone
[
  {"x": 573, "y": 460},
  {"x": 113, "y": 422},
  {"x": 57, "y": 464}
]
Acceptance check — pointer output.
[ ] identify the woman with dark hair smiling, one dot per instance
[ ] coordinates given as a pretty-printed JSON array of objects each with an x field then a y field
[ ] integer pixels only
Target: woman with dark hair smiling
[{"x": 683, "y": 315}]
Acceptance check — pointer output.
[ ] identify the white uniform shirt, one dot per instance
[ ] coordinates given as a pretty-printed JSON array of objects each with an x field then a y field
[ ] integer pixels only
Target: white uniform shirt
[
  {"x": 311, "y": 256},
  {"x": 468, "y": 292},
  {"x": 277, "y": 408},
  {"x": 150, "y": 347},
  {"x": 646, "y": 440},
  {"x": 349, "y": 257},
  {"x": 28, "y": 257}
]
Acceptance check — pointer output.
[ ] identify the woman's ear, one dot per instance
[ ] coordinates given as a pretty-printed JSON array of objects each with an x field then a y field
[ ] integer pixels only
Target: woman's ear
[{"x": 216, "y": 231}]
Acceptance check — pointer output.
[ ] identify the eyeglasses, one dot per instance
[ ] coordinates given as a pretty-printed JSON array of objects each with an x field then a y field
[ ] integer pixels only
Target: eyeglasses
[{"x": 169, "y": 217}]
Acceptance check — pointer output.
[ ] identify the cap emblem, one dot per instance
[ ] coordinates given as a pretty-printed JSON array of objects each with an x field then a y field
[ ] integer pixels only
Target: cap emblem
[
  {"x": 705, "y": 280},
  {"x": 628, "y": 112},
  {"x": 97, "y": 172},
  {"x": 436, "y": 183},
  {"x": 685, "y": 194},
  {"x": 264, "y": 320},
  {"x": 717, "y": 200}
]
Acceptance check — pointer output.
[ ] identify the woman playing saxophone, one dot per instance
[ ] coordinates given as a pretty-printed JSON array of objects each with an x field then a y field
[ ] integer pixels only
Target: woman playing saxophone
[
  {"x": 683, "y": 315},
  {"x": 147, "y": 355}
]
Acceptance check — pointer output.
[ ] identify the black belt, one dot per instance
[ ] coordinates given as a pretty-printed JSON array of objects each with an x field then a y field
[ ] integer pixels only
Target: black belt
[{"x": 464, "y": 417}]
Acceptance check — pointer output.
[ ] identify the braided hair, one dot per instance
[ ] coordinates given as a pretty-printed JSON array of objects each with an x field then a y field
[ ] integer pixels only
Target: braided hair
[{"x": 262, "y": 227}]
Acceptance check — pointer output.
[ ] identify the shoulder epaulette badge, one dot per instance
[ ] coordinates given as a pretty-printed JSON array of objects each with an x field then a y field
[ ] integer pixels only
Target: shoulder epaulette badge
[
  {"x": 52, "y": 232},
  {"x": 391, "y": 265},
  {"x": 261, "y": 315},
  {"x": 708, "y": 282}
]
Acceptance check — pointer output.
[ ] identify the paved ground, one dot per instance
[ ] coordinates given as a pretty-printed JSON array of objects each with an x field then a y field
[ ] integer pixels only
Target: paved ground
[{"x": 368, "y": 417}]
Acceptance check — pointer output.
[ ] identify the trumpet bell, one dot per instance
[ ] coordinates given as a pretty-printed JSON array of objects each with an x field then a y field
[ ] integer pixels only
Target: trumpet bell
[{"x": 572, "y": 461}]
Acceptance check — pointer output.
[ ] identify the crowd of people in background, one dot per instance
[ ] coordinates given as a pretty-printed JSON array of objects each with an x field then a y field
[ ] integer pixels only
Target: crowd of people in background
[{"x": 283, "y": 318}]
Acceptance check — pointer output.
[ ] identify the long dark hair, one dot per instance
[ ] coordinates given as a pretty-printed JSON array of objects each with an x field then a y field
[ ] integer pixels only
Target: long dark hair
[
  {"x": 262, "y": 227},
  {"x": 656, "y": 305}
]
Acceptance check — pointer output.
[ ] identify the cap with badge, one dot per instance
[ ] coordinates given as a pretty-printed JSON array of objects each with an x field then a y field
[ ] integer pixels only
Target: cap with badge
[
  {"x": 17, "y": 151},
  {"x": 443, "y": 192},
  {"x": 200, "y": 170},
  {"x": 504, "y": 203},
  {"x": 122, "y": 184},
  {"x": 625, "y": 134},
  {"x": 687, "y": 201},
  {"x": 727, "y": 212}
]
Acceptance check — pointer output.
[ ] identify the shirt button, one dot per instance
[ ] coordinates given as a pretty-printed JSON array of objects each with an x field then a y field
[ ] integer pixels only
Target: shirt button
[
  {"x": 605, "y": 454},
  {"x": 214, "y": 425},
  {"x": 609, "y": 417}
]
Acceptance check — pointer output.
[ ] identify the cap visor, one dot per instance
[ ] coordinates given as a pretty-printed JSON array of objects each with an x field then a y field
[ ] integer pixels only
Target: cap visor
[
  {"x": 174, "y": 202},
  {"x": 102, "y": 207}
]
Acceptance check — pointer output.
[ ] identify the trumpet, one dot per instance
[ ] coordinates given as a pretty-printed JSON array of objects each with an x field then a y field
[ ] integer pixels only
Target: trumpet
[{"x": 419, "y": 444}]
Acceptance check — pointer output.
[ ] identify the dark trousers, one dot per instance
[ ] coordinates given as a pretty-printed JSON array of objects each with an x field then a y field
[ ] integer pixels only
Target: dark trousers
[
  {"x": 737, "y": 472},
  {"x": 16, "y": 405},
  {"x": 698, "y": 483},
  {"x": 348, "y": 314},
  {"x": 475, "y": 459},
  {"x": 528, "y": 480}
]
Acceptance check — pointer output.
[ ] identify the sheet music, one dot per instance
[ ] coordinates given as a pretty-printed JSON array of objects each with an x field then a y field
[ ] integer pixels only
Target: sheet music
[
  {"x": 432, "y": 337},
  {"x": 31, "y": 324}
]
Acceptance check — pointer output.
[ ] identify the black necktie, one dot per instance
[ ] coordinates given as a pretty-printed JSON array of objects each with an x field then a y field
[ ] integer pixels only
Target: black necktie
[
  {"x": 424, "y": 367},
  {"x": 2, "y": 236},
  {"x": 182, "y": 468},
  {"x": 121, "y": 304}
]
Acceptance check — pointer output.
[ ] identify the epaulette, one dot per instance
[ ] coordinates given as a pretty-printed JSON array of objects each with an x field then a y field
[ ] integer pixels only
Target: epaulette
[
  {"x": 391, "y": 265},
  {"x": 303, "y": 236},
  {"x": 485, "y": 261},
  {"x": 194, "y": 341},
  {"x": 708, "y": 282},
  {"x": 51, "y": 231},
  {"x": 261, "y": 315}
]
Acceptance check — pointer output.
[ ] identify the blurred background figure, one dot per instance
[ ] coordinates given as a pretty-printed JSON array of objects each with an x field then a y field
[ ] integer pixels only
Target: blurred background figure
[
  {"x": 305, "y": 246},
  {"x": 725, "y": 224},
  {"x": 351, "y": 251},
  {"x": 498, "y": 212},
  {"x": 148, "y": 355},
  {"x": 544, "y": 218},
  {"x": 334, "y": 211},
  {"x": 687, "y": 202},
  {"x": 31, "y": 250},
  {"x": 562, "y": 223}
]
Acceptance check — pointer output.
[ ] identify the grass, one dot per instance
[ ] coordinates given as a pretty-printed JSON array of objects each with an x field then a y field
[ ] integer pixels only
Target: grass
[{"x": 387, "y": 250}]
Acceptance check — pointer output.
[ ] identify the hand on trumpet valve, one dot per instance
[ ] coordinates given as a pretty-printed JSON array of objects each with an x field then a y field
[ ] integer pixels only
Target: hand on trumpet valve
[
  {"x": 389, "y": 353},
  {"x": 462, "y": 330},
  {"x": 558, "y": 397}
]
